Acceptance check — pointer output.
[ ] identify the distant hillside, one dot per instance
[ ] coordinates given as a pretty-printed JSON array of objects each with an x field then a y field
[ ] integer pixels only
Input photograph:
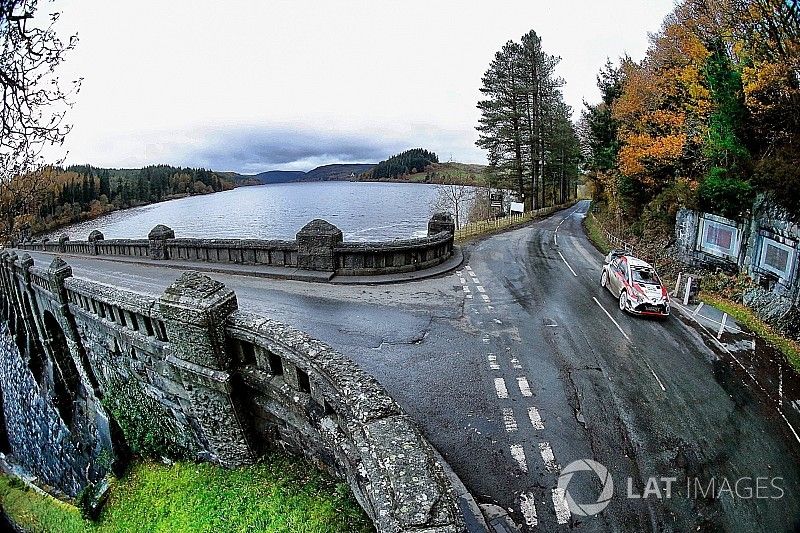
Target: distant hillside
[
  {"x": 457, "y": 173},
  {"x": 336, "y": 172},
  {"x": 323, "y": 173}
]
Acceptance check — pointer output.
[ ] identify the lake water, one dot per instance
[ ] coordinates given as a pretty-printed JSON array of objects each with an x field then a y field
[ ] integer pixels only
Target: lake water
[{"x": 363, "y": 211}]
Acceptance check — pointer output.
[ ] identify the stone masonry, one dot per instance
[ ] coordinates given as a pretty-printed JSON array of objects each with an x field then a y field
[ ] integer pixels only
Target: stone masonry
[{"x": 215, "y": 382}]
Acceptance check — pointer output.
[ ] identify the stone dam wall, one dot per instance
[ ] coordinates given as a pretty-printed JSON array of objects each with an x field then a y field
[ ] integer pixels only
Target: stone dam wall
[
  {"x": 318, "y": 246},
  {"x": 90, "y": 373}
]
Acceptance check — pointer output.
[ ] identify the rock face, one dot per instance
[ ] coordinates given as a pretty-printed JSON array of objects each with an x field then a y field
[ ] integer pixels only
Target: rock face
[
  {"x": 87, "y": 368},
  {"x": 315, "y": 245}
]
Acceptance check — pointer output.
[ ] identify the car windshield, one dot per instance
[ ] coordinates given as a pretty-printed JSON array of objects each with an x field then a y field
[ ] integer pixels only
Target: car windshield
[{"x": 645, "y": 275}]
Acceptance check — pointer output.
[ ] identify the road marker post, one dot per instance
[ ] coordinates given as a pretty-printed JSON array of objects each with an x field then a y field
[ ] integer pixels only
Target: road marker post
[{"x": 722, "y": 325}]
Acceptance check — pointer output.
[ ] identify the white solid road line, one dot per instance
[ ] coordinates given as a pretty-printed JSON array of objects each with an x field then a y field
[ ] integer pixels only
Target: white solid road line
[
  {"x": 561, "y": 506},
  {"x": 536, "y": 418},
  {"x": 500, "y": 387},
  {"x": 611, "y": 317},
  {"x": 565, "y": 262},
  {"x": 548, "y": 457},
  {"x": 654, "y": 374},
  {"x": 524, "y": 387},
  {"x": 519, "y": 456},
  {"x": 527, "y": 504},
  {"x": 509, "y": 421}
]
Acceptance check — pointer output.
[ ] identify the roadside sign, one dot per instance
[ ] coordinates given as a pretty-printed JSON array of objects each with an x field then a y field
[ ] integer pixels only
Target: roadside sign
[{"x": 517, "y": 207}]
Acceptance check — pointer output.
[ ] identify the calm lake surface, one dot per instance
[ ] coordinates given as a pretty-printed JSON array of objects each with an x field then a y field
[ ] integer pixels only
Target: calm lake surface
[{"x": 363, "y": 211}]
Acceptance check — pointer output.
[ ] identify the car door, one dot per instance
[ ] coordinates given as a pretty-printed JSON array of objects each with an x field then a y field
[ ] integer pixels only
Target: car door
[{"x": 615, "y": 279}]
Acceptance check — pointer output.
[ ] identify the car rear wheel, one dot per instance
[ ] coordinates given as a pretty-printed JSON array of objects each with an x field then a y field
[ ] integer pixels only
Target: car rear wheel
[
  {"x": 604, "y": 279},
  {"x": 623, "y": 301}
]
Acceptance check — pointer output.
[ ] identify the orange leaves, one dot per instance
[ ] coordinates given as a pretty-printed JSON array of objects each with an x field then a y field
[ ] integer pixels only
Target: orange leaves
[{"x": 642, "y": 155}]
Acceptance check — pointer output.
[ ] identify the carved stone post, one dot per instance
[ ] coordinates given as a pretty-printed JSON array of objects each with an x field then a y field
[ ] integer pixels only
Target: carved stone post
[
  {"x": 58, "y": 271},
  {"x": 195, "y": 309},
  {"x": 315, "y": 245},
  {"x": 94, "y": 236},
  {"x": 440, "y": 222},
  {"x": 62, "y": 243},
  {"x": 158, "y": 237}
]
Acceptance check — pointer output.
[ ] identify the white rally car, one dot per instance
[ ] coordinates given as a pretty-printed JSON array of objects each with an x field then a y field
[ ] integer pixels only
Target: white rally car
[{"x": 636, "y": 284}]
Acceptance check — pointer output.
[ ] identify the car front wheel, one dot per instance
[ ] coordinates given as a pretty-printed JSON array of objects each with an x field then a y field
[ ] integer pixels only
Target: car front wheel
[
  {"x": 623, "y": 301},
  {"x": 604, "y": 279}
]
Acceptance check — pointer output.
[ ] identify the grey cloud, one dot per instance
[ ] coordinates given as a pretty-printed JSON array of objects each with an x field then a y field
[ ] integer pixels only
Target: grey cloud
[{"x": 251, "y": 150}]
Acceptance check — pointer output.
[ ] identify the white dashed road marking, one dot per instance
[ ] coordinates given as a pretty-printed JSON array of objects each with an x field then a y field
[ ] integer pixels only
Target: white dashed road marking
[
  {"x": 519, "y": 456},
  {"x": 509, "y": 421},
  {"x": 536, "y": 418},
  {"x": 527, "y": 504},
  {"x": 493, "y": 362},
  {"x": 548, "y": 457},
  {"x": 485, "y": 298},
  {"x": 524, "y": 387},
  {"x": 515, "y": 363},
  {"x": 480, "y": 288},
  {"x": 561, "y": 506},
  {"x": 500, "y": 387}
]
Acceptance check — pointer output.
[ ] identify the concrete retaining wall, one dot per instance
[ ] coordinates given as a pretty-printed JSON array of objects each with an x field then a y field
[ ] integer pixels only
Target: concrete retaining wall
[
  {"x": 318, "y": 246},
  {"x": 776, "y": 296},
  {"x": 213, "y": 382}
]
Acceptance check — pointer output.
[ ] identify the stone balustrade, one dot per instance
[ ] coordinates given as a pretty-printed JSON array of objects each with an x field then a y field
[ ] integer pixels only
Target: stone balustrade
[
  {"x": 221, "y": 383},
  {"x": 319, "y": 246}
]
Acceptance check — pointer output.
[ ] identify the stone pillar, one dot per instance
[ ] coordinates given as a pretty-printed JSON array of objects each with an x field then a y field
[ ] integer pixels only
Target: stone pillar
[
  {"x": 195, "y": 309},
  {"x": 158, "y": 237},
  {"x": 25, "y": 263},
  {"x": 440, "y": 222},
  {"x": 62, "y": 243},
  {"x": 94, "y": 236},
  {"x": 315, "y": 244},
  {"x": 58, "y": 271}
]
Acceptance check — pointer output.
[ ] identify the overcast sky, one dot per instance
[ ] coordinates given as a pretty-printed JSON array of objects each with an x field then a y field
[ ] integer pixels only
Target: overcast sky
[{"x": 259, "y": 85}]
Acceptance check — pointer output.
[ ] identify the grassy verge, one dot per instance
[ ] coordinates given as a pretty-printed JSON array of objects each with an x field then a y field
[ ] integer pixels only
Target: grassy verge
[
  {"x": 595, "y": 234},
  {"x": 280, "y": 494},
  {"x": 746, "y": 317},
  {"x": 487, "y": 227}
]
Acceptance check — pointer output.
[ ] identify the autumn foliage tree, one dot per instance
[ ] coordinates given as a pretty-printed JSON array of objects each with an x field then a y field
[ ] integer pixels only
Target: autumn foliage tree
[
  {"x": 34, "y": 105},
  {"x": 712, "y": 111}
]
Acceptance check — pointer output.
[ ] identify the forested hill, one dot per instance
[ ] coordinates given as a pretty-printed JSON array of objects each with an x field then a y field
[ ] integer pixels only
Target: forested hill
[
  {"x": 408, "y": 162},
  {"x": 80, "y": 192}
]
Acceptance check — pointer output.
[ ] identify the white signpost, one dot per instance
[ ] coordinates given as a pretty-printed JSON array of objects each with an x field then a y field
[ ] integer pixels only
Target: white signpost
[{"x": 517, "y": 207}]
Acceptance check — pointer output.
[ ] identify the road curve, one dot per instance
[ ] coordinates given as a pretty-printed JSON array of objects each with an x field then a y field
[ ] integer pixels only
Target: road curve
[{"x": 519, "y": 364}]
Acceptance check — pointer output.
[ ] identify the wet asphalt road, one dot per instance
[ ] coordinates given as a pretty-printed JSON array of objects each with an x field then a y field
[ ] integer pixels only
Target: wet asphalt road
[{"x": 521, "y": 364}]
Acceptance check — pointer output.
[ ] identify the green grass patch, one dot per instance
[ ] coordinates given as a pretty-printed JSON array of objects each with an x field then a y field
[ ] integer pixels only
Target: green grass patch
[
  {"x": 744, "y": 316},
  {"x": 279, "y": 494},
  {"x": 596, "y": 234}
]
